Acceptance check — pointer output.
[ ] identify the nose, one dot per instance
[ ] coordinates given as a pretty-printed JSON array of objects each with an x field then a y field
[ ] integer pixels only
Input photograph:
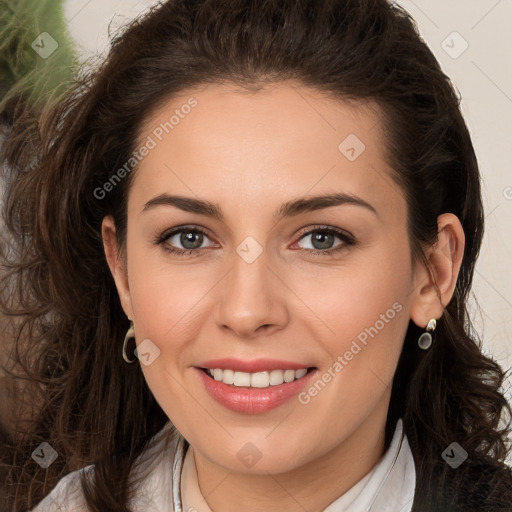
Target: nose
[{"x": 252, "y": 299}]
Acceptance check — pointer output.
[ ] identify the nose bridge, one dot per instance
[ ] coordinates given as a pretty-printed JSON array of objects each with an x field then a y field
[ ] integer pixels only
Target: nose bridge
[
  {"x": 248, "y": 281},
  {"x": 248, "y": 298}
]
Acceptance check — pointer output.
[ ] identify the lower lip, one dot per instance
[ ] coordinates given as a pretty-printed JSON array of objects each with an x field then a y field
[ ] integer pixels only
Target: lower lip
[{"x": 253, "y": 400}]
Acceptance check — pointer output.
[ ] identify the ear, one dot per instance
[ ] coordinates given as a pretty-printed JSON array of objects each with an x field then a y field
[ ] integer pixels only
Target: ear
[
  {"x": 117, "y": 264},
  {"x": 433, "y": 291}
]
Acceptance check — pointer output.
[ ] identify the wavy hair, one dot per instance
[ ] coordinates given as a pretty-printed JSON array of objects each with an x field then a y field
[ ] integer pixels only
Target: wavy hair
[{"x": 59, "y": 296}]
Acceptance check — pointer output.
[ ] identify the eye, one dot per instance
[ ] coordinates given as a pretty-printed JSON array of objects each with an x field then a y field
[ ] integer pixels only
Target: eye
[
  {"x": 322, "y": 239},
  {"x": 190, "y": 238}
]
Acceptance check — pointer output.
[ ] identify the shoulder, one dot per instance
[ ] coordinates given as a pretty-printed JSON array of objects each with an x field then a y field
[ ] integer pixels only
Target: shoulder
[
  {"x": 66, "y": 496},
  {"x": 152, "y": 473}
]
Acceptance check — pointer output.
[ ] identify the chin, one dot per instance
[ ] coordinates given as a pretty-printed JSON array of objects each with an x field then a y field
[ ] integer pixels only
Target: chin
[{"x": 249, "y": 459}]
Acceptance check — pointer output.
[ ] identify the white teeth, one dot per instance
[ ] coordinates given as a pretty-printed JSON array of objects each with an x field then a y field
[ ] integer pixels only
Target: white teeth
[
  {"x": 242, "y": 379},
  {"x": 260, "y": 380},
  {"x": 256, "y": 380},
  {"x": 227, "y": 376},
  {"x": 300, "y": 373},
  {"x": 289, "y": 375},
  {"x": 277, "y": 377}
]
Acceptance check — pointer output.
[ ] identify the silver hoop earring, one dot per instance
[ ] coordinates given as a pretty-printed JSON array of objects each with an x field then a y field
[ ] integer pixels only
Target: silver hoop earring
[
  {"x": 425, "y": 340},
  {"x": 130, "y": 334}
]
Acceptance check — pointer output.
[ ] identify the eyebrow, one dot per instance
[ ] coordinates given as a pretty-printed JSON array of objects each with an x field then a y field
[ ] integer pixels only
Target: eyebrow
[{"x": 288, "y": 209}]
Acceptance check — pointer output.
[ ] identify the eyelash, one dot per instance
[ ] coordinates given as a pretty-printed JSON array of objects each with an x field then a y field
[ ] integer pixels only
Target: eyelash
[{"x": 346, "y": 238}]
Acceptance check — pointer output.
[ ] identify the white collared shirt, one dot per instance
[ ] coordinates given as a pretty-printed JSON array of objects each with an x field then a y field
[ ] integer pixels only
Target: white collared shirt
[{"x": 388, "y": 487}]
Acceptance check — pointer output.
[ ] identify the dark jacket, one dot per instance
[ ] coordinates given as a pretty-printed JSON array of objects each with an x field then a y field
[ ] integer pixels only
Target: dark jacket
[{"x": 475, "y": 486}]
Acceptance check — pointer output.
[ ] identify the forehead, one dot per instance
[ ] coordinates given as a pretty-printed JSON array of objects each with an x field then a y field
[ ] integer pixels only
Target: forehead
[{"x": 228, "y": 145}]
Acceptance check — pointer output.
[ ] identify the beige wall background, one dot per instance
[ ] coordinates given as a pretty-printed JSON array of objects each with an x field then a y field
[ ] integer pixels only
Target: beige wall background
[{"x": 472, "y": 40}]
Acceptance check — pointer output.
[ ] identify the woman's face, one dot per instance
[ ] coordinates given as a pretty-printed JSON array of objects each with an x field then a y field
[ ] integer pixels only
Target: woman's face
[{"x": 251, "y": 288}]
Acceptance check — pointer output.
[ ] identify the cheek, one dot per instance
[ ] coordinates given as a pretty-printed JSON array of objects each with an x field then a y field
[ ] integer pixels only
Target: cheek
[
  {"x": 163, "y": 297},
  {"x": 353, "y": 296},
  {"x": 364, "y": 313}
]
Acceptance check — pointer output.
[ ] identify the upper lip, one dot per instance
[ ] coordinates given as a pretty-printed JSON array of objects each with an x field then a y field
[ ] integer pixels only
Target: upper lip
[{"x": 253, "y": 366}]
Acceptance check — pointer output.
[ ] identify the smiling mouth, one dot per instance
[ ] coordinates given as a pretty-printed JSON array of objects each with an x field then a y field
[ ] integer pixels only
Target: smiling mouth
[{"x": 263, "y": 379}]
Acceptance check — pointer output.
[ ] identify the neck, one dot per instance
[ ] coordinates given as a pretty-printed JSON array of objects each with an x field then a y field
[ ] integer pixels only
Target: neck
[{"x": 311, "y": 486}]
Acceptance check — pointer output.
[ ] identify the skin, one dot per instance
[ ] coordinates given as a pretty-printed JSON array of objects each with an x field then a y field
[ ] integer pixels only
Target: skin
[{"x": 249, "y": 153}]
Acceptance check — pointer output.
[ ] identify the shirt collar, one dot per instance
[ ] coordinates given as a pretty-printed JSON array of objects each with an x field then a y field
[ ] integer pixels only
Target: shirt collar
[{"x": 388, "y": 487}]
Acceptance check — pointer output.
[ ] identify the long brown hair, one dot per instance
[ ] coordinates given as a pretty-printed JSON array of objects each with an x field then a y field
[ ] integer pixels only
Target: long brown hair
[{"x": 57, "y": 288}]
